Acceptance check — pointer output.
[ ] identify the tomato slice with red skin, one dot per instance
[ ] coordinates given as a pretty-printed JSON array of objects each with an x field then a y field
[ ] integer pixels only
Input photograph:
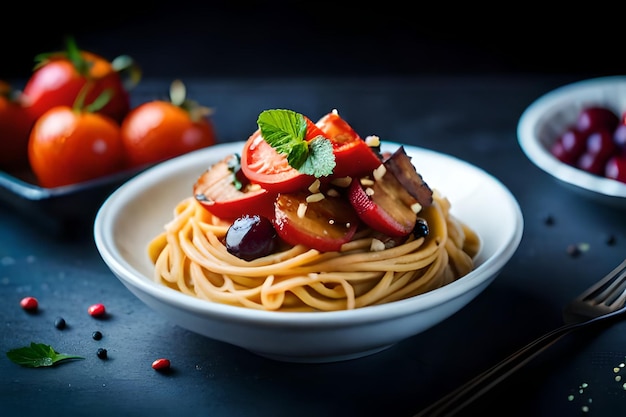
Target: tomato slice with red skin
[
  {"x": 263, "y": 165},
  {"x": 387, "y": 208},
  {"x": 325, "y": 225},
  {"x": 215, "y": 190},
  {"x": 353, "y": 156}
]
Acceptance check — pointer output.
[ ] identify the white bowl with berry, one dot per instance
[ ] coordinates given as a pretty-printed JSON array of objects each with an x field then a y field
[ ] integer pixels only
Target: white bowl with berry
[{"x": 577, "y": 134}]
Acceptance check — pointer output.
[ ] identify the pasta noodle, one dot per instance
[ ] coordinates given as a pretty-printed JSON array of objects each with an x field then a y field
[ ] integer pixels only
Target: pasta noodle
[{"x": 189, "y": 255}]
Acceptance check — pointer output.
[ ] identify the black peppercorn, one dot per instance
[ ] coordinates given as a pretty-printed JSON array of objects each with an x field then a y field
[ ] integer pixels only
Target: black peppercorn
[
  {"x": 97, "y": 335},
  {"x": 102, "y": 353},
  {"x": 59, "y": 323}
]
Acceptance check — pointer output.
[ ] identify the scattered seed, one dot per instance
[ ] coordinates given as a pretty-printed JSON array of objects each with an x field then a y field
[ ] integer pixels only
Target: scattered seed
[
  {"x": 573, "y": 251},
  {"x": 161, "y": 364},
  {"x": 102, "y": 353},
  {"x": 611, "y": 240},
  {"x": 96, "y": 310},
  {"x": 577, "y": 249},
  {"x": 97, "y": 335},
  {"x": 548, "y": 220},
  {"x": 29, "y": 303},
  {"x": 59, "y": 323}
]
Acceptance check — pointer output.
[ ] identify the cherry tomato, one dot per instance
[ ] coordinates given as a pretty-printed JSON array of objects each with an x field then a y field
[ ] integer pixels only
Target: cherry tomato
[
  {"x": 158, "y": 130},
  {"x": 217, "y": 192},
  {"x": 60, "y": 77},
  {"x": 15, "y": 124},
  {"x": 325, "y": 225},
  {"x": 69, "y": 146},
  {"x": 353, "y": 156},
  {"x": 263, "y": 165}
]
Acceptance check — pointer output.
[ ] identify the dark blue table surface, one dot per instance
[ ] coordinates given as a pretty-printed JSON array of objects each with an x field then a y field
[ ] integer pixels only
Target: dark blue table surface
[{"x": 471, "y": 117}]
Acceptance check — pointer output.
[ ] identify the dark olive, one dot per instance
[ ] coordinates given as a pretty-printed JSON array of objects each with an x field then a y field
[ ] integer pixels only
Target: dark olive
[
  {"x": 421, "y": 228},
  {"x": 251, "y": 237}
]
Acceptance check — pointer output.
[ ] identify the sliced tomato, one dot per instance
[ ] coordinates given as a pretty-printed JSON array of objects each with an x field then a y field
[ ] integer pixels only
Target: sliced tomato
[
  {"x": 325, "y": 225},
  {"x": 353, "y": 156},
  {"x": 215, "y": 190},
  {"x": 263, "y": 165},
  {"x": 386, "y": 208}
]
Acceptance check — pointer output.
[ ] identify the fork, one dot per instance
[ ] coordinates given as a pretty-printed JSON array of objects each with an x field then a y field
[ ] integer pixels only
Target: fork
[{"x": 602, "y": 301}]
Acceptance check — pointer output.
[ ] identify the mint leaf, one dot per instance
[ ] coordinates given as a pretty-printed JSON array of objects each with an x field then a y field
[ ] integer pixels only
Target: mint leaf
[
  {"x": 321, "y": 160},
  {"x": 285, "y": 131},
  {"x": 37, "y": 355}
]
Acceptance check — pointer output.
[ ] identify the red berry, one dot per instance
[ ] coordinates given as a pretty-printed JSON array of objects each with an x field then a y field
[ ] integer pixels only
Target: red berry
[
  {"x": 616, "y": 168},
  {"x": 601, "y": 143},
  {"x": 619, "y": 136},
  {"x": 569, "y": 146},
  {"x": 595, "y": 118},
  {"x": 96, "y": 310},
  {"x": 161, "y": 364},
  {"x": 592, "y": 163},
  {"x": 29, "y": 303}
]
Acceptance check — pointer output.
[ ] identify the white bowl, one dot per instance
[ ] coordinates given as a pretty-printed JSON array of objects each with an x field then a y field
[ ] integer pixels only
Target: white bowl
[
  {"x": 548, "y": 116},
  {"x": 137, "y": 211}
]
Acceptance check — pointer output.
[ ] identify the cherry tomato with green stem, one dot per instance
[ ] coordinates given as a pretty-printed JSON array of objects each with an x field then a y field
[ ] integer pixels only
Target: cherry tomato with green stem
[
  {"x": 59, "y": 77},
  {"x": 158, "y": 130}
]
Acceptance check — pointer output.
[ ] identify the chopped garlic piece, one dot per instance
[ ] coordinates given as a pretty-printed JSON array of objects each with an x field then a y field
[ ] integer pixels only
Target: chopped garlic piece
[
  {"x": 369, "y": 191},
  {"x": 342, "y": 182},
  {"x": 301, "y": 210},
  {"x": 377, "y": 245},
  {"x": 313, "y": 198},
  {"x": 372, "y": 141},
  {"x": 416, "y": 207},
  {"x": 380, "y": 172},
  {"x": 333, "y": 193},
  {"x": 315, "y": 187},
  {"x": 366, "y": 182}
]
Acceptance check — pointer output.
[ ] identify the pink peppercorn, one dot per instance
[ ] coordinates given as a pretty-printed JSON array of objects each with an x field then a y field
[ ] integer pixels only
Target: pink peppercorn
[
  {"x": 161, "y": 364},
  {"x": 29, "y": 303},
  {"x": 96, "y": 310}
]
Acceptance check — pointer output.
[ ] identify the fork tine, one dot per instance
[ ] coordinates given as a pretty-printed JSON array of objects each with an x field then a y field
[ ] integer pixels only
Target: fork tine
[
  {"x": 608, "y": 288},
  {"x": 603, "y": 297},
  {"x": 619, "y": 295}
]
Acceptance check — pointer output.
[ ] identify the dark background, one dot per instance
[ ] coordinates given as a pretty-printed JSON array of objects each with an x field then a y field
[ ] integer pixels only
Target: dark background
[{"x": 191, "y": 38}]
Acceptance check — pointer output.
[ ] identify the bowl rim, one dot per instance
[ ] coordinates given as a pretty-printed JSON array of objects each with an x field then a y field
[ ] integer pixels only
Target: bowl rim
[
  {"x": 104, "y": 239},
  {"x": 538, "y": 113}
]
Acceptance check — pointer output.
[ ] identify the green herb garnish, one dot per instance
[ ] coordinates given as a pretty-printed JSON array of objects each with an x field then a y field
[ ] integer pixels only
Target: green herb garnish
[
  {"x": 285, "y": 131},
  {"x": 37, "y": 355}
]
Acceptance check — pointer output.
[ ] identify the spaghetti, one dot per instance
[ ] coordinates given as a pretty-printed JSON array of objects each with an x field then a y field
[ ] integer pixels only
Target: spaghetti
[{"x": 189, "y": 255}]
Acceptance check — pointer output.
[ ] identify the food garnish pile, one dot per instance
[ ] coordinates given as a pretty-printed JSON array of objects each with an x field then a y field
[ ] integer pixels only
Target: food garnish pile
[
  {"x": 595, "y": 143},
  {"x": 383, "y": 191},
  {"x": 73, "y": 122}
]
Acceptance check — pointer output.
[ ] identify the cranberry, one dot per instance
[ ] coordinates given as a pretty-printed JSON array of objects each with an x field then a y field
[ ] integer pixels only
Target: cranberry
[
  {"x": 616, "y": 168},
  {"x": 619, "y": 136},
  {"x": 601, "y": 144},
  {"x": 599, "y": 136},
  {"x": 591, "y": 163},
  {"x": 569, "y": 146},
  {"x": 595, "y": 118}
]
